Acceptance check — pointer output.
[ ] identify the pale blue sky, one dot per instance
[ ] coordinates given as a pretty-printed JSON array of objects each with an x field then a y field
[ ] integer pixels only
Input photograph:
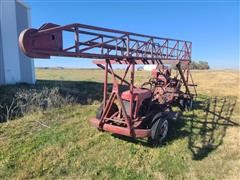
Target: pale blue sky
[{"x": 213, "y": 27}]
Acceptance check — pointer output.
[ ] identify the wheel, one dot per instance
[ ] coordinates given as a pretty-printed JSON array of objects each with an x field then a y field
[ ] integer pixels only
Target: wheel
[
  {"x": 159, "y": 129},
  {"x": 186, "y": 104},
  {"x": 189, "y": 104},
  {"x": 113, "y": 109}
]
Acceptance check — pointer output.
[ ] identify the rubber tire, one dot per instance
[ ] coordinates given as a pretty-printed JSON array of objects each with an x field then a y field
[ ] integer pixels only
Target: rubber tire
[
  {"x": 189, "y": 104},
  {"x": 186, "y": 104},
  {"x": 113, "y": 109},
  {"x": 159, "y": 120}
]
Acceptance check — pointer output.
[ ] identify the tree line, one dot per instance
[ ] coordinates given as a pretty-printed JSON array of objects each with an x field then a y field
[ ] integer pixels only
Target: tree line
[{"x": 199, "y": 65}]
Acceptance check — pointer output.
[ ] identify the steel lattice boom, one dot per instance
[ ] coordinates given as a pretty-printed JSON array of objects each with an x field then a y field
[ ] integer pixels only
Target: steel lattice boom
[{"x": 101, "y": 43}]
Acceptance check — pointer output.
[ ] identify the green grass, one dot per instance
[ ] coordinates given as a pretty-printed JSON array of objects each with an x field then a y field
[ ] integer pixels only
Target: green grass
[{"x": 59, "y": 143}]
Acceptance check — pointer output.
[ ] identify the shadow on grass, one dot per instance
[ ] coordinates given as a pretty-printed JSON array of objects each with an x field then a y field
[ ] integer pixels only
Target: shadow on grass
[
  {"x": 45, "y": 94},
  {"x": 84, "y": 92},
  {"x": 208, "y": 124},
  {"x": 204, "y": 127},
  {"x": 16, "y": 100}
]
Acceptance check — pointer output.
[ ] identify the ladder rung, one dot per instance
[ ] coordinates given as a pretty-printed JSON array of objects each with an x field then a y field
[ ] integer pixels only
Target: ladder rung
[{"x": 192, "y": 85}]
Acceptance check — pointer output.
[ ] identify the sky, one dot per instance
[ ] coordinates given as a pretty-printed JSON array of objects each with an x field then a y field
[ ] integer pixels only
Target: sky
[{"x": 213, "y": 27}]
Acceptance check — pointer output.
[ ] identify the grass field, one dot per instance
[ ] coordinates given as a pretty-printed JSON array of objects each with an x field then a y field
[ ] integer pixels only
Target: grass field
[{"x": 59, "y": 143}]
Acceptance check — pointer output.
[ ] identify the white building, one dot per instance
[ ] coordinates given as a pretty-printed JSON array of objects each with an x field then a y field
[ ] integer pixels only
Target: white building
[
  {"x": 149, "y": 67},
  {"x": 15, "y": 67}
]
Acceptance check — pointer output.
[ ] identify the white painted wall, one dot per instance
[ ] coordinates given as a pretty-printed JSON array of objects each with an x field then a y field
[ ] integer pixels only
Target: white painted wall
[
  {"x": 13, "y": 64},
  {"x": 26, "y": 63},
  {"x": 2, "y": 73},
  {"x": 9, "y": 43},
  {"x": 149, "y": 67}
]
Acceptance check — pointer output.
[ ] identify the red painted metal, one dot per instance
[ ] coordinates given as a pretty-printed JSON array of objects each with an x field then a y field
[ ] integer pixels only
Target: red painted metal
[
  {"x": 138, "y": 133},
  {"x": 100, "y": 43},
  {"x": 123, "y": 111},
  {"x": 138, "y": 94}
]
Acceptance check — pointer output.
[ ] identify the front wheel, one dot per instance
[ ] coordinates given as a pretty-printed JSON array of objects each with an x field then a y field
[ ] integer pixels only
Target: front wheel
[
  {"x": 112, "y": 110},
  {"x": 159, "y": 129}
]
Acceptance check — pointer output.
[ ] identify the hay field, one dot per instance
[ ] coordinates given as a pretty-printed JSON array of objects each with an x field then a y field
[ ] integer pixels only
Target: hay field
[{"x": 59, "y": 143}]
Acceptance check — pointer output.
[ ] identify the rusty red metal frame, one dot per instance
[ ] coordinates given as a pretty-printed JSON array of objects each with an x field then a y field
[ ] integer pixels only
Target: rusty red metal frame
[
  {"x": 102, "y": 43},
  {"x": 128, "y": 120},
  {"x": 109, "y": 46}
]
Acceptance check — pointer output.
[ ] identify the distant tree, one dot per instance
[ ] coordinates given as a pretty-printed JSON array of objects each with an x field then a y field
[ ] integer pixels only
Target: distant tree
[{"x": 199, "y": 65}]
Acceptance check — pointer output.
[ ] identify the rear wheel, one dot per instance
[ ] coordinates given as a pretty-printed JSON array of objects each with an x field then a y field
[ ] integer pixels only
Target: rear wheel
[
  {"x": 186, "y": 104},
  {"x": 159, "y": 129}
]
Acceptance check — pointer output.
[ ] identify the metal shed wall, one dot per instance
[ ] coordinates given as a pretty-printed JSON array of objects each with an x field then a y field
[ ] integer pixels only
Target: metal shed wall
[
  {"x": 26, "y": 64},
  {"x": 2, "y": 73},
  {"x": 14, "y": 66}
]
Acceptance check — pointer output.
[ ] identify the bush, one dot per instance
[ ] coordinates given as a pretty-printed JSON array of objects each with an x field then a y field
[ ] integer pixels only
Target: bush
[{"x": 30, "y": 100}]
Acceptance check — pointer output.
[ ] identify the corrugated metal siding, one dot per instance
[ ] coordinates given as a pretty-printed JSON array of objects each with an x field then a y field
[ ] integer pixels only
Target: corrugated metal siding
[
  {"x": 25, "y": 62},
  {"x": 14, "y": 65},
  {"x": 9, "y": 42},
  {"x": 2, "y": 78}
]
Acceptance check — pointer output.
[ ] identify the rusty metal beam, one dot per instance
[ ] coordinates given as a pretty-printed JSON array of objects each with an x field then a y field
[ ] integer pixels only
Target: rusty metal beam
[{"x": 101, "y": 43}]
